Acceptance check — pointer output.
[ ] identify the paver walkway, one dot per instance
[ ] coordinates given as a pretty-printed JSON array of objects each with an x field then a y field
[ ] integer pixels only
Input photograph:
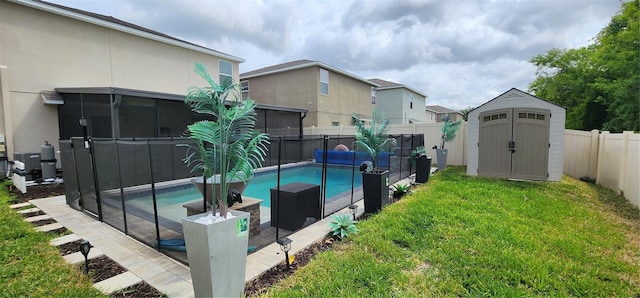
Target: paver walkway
[
  {"x": 158, "y": 270},
  {"x": 145, "y": 263}
]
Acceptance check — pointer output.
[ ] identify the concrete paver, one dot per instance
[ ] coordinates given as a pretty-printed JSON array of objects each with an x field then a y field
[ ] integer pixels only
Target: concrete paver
[
  {"x": 118, "y": 282},
  {"x": 37, "y": 218},
  {"x": 64, "y": 239},
  {"x": 19, "y": 205},
  {"x": 49, "y": 227}
]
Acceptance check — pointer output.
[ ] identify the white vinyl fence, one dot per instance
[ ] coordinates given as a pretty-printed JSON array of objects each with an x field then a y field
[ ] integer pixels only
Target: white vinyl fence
[
  {"x": 612, "y": 159},
  {"x": 431, "y": 132}
]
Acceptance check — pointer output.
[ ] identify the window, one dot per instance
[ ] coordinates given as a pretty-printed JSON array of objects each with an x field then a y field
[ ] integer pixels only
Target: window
[
  {"x": 226, "y": 72},
  {"x": 411, "y": 101},
  {"x": 324, "y": 82},
  {"x": 335, "y": 123},
  {"x": 373, "y": 95},
  {"x": 244, "y": 85}
]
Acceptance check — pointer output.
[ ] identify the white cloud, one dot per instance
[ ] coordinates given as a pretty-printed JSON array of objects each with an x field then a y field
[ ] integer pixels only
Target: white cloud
[{"x": 460, "y": 53}]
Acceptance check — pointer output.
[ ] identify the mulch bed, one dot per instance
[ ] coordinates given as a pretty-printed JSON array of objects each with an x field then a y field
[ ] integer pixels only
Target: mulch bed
[
  {"x": 102, "y": 268},
  {"x": 141, "y": 289},
  {"x": 69, "y": 247},
  {"x": 31, "y": 214},
  {"x": 59, "y": 232},
  {"x": 36, "y": 192},
  {"x": 273, "y": 275},
  {"x": 43, "y": 222}
]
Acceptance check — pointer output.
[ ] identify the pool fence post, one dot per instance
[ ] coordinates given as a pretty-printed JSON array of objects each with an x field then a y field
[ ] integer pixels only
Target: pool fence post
[
  {"x": 124, "y": 210},
  {"x": 323, "y": 195},
  {"x": 153, "y": 195},
  {"x": 278, "y": 192}
]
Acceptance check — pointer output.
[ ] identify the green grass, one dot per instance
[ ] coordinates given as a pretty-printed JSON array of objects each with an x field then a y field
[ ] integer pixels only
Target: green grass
[
  {"x": 472, "y": 236},
  {"x": 30, "y": 266}
]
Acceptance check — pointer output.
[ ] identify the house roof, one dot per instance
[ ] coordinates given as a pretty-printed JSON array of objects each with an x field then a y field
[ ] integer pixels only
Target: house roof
[
  {"x": 440, "y": 110},
  {"x": 120, "y": 25},
  {"x": 386, "y": 85},
  {"x": 299, "y": 64}
]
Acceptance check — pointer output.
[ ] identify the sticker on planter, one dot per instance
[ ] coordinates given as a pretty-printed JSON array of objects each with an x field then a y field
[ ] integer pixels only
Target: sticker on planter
[{"x": 243, "y": 227}]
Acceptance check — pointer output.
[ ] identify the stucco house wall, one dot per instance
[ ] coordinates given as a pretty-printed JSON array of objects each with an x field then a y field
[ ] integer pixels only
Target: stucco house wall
[
  {"x": 298, "y": 85},
  {"x": 43, "y": 47}
]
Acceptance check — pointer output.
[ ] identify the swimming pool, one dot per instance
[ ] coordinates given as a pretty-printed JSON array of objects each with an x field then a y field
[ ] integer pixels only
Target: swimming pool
[{"x": 170, "y": 200}]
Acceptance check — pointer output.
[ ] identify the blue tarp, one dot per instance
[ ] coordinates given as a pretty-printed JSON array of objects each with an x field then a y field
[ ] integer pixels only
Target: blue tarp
[{"x": 346, "y": 157}]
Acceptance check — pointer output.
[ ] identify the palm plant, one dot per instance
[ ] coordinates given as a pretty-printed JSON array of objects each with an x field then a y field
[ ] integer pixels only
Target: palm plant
[
  {"x": 373, "y": 139},
  {"x": 449, "y": 129},
  {"x": 229, "y": 145}
]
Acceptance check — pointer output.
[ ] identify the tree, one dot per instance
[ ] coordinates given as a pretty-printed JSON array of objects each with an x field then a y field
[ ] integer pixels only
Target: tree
[
  {"x": 599, "y": 83},
  {"x": 465, "y": 113}
]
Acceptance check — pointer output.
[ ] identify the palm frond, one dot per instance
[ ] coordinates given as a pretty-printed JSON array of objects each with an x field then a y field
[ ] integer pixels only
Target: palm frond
[
  {"x": 229, "y": 145},
  {"x": 373, "y": 139}
]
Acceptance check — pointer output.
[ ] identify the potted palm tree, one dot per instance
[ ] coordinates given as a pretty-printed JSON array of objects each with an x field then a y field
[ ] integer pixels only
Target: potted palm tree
[
  {"x": 449, "y": 129},
  {"x": 374, "y": 140},
  {"x": 230, "y": 148}
]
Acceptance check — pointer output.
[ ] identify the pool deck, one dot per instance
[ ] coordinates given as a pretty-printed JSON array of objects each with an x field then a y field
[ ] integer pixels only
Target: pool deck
[{"x": 162, "y": 272}]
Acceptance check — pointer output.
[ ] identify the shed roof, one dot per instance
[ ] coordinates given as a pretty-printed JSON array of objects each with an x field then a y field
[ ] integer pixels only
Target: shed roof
[
  {"x": 120, "y": 25},
  {"x": 517, "y": 91},
  {"x": 386, "y": 85},
  {"x": 299, "y": 64}
]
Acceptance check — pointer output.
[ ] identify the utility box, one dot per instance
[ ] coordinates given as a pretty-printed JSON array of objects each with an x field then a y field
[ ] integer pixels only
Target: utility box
[{"x": 297, "y": 202}]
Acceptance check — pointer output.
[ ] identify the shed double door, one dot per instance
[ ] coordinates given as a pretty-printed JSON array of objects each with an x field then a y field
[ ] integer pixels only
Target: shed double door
[{"x": 514, "y": 143}]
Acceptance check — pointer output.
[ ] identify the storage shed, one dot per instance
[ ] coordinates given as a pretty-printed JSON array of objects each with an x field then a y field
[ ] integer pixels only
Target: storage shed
[{"x": 517, "y": 136}]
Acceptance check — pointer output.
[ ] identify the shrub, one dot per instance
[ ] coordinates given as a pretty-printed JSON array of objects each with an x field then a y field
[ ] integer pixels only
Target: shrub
[{"x": 342, "y": 226}]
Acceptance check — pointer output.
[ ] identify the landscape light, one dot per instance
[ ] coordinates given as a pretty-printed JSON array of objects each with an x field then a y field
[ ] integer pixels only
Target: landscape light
[
  {"x": 85, "y": 247},
  {"x": 352, "y": 209},
  {"x": 285, "y": 245}
]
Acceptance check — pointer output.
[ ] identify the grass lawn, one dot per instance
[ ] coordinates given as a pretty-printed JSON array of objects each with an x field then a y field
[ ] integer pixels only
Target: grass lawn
[
  {"x": 30, "y": 266},
  {"x": 472, "y": 236}
]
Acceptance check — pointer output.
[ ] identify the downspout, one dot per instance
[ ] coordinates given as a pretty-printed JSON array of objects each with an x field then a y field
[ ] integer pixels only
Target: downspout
[
  {"x": 304, "y": 115},
  {"x": 6, "y": 110}
]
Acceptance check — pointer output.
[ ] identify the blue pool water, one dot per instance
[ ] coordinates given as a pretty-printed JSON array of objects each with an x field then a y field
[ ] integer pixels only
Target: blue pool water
[{"x": 170, "y": 201}]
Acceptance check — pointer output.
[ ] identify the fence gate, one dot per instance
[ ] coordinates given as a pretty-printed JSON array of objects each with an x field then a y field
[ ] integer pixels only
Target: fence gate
[{"x": 514, "y": 143}]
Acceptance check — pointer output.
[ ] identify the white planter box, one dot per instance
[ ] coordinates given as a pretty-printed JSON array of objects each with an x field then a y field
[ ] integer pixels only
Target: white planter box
[{"x": 217, "y": 254}]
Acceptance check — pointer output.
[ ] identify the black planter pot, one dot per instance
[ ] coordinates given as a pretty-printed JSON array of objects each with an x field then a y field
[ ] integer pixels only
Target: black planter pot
[
  {"x": 376, "y": 190},
  {"x": 423, "y": 169}
]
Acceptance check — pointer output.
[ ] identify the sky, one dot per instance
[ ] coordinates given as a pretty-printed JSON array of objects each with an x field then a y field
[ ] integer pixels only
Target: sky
[{"x": 459, "y": 53}]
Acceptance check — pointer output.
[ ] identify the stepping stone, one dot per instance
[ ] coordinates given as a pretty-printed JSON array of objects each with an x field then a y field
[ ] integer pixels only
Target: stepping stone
[
  {"x": 49, "y": 227},
  {"x": 37, "y": 218},
  {"x": 20, "y": 205},
  {"x": 34, "y": 209},
  {"x": 64, "y": 239},
  {"x": 120, "y": 281},
  {"x": 77, "y": 257}
]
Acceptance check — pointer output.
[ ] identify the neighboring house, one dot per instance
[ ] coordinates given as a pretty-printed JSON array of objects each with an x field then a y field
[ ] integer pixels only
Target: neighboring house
[
  {"x": 440, "y": 113},
  {"x": 59, "y": 64},
  {"x": 401, "y": 104},
  {"x": 331, "y": 95}
]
